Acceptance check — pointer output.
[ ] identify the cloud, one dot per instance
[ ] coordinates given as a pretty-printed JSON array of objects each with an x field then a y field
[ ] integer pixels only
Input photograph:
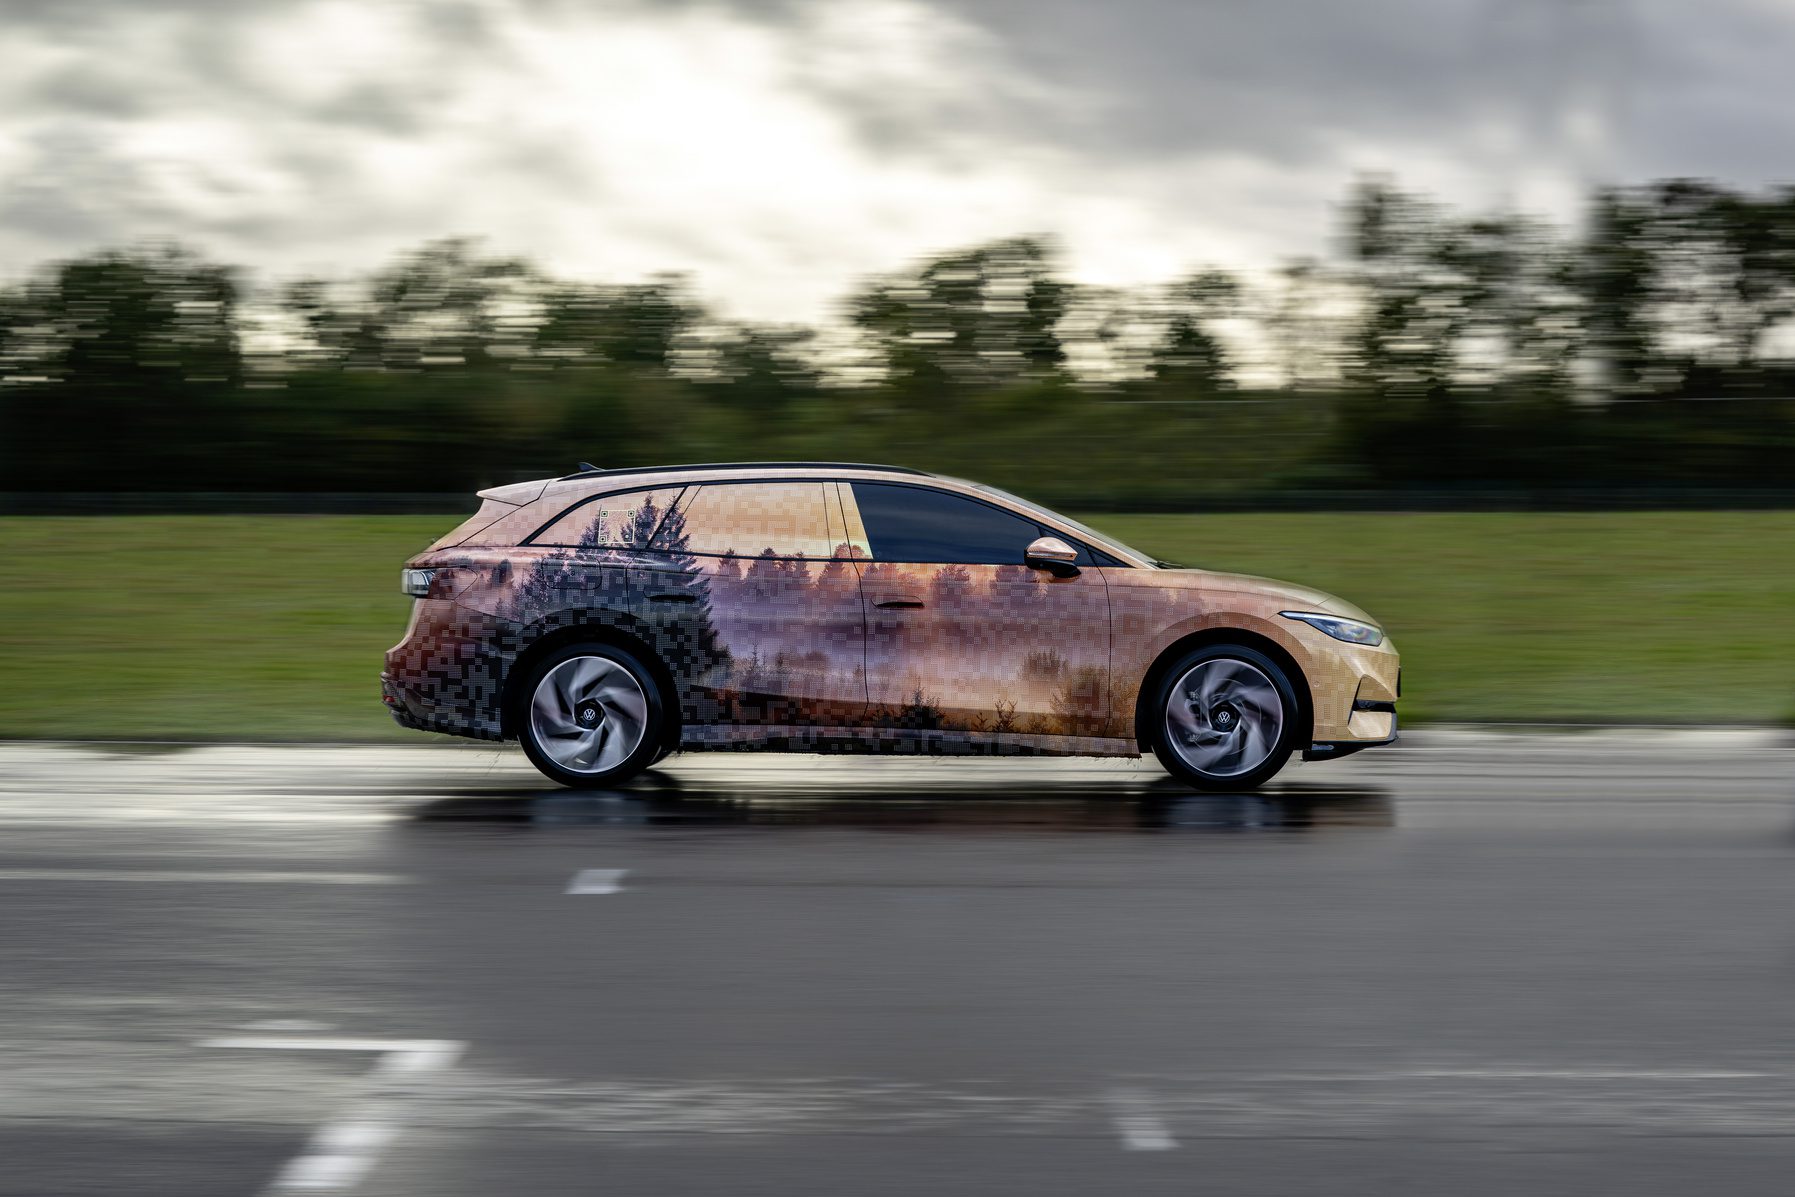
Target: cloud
[{"x": 779, "y": 149}]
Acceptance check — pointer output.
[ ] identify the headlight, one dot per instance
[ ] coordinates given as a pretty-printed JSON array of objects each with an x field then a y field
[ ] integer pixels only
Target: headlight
[
  {"x": 1349, "y": 630},
  {"x": 416, "y": 582}
]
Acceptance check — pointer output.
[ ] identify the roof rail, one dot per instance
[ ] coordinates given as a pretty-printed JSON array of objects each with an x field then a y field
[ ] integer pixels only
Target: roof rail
[{"x": 586, "y": 471}]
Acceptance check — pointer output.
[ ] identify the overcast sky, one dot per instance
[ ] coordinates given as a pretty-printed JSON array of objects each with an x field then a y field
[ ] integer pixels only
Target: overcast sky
[{"x": 778, "y": 150}]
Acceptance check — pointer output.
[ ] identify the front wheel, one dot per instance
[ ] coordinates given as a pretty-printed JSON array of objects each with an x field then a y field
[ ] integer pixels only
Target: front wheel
[
  {"x": 591, "y": 716},
  {"x": 1226, "y": 718}
]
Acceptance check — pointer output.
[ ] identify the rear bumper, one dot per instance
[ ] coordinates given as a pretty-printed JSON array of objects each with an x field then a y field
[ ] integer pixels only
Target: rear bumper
[
  {"x": 410, "y": 709},
  {"x": 447, "y": 674}
]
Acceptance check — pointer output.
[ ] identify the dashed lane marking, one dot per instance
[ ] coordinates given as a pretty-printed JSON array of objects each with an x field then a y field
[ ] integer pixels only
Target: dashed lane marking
[
  {"x": 597, "y": 881},
  {"x": 341, "y": 1152},
  {"x": 1141, "y": 1128}
]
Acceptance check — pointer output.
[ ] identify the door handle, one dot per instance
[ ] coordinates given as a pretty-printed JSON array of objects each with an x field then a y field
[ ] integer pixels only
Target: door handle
[
  {"x": 672, "y": 598},
  {"x": 898, "y": 602}
]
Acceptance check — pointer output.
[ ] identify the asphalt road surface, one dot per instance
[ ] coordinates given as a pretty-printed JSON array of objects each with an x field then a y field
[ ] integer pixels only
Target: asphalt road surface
[{"x": 1469, "y": 965}]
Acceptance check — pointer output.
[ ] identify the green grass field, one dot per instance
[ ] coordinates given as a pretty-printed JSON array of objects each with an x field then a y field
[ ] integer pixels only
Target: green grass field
[{"x": 272, "y": 627}]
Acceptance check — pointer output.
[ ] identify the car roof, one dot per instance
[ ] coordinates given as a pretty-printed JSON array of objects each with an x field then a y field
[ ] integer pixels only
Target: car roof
[{"x": 733, "y": 467}]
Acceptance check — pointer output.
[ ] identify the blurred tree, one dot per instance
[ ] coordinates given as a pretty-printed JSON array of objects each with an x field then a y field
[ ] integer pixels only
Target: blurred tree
[
  {"x": 21, "y": 341},
  {"x": 632, "y": 326},
  {"x": 156, "y": 320},
  {"x": 1190, "y": 358},
  {"x": 1449, "y": 304},
  {"x": 1437, "y": 348},
  {"x": 1412, "y": 303},
  {"x": 986, "y": 316},
  {"x": 1617, "y": 273},
  {"x": 1687, "y": 282},
  {"x": 1303, "y": 341},
  {"x": 758, "y": 367},
  {"x": 442, "y": 305},
  {"x": 140, "y": 353}
]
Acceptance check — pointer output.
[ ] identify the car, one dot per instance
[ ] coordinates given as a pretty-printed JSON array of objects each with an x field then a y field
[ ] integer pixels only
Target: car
[{"x": 609, "y": 617}]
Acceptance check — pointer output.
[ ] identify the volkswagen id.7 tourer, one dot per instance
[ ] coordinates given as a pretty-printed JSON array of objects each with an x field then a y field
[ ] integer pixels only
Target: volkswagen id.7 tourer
[{"x": 610, "y": 617}]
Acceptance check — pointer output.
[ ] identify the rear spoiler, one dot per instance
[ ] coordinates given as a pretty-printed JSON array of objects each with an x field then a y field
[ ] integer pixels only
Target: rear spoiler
[{"x": 517, "y": 493}]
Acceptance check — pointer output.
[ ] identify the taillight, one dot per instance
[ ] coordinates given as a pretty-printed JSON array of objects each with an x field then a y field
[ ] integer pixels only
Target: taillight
[{"x": 416, "y": 582}]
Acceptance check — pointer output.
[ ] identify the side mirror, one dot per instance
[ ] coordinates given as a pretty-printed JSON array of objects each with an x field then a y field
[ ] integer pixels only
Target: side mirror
[{"x": 1052, "y": 554}]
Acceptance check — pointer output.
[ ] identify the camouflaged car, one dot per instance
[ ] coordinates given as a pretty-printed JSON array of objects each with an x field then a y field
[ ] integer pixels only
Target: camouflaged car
[{"x": 610, "y": 617}]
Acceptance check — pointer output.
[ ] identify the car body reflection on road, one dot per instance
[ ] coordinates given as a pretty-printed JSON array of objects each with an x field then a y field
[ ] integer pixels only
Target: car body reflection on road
[{"x": 969, "y": 811}]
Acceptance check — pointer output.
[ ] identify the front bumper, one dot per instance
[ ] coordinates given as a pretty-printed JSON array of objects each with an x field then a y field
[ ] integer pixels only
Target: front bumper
[
  {"x": 1327, "y": 750},
  {"x": 1352, "y": 688}
]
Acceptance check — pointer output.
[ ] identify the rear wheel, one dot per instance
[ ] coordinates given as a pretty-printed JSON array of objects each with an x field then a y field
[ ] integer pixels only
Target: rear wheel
[
  {"x": 591, "y": 716},
  {"x": 1227, "y": 718}
]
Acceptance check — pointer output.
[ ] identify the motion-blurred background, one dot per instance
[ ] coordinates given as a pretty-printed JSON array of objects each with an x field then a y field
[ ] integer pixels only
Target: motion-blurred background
[{"x": 1477, "y": 312}]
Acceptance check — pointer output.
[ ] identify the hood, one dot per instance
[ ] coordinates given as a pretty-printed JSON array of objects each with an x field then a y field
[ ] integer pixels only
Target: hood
[{"x": 1294, "y": 598}]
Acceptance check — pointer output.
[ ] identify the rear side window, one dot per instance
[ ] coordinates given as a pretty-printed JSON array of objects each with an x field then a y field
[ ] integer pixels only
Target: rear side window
[
  {"x": 909, "y": 523},
  {"x": 752, "y": 519},
  {"x": 624, "y": 521}
]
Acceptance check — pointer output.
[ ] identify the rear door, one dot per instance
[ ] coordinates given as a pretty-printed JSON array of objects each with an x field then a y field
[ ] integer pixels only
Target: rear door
[
  {"x": 757, "y": 604},
  {"x": 961, "y": 634}
]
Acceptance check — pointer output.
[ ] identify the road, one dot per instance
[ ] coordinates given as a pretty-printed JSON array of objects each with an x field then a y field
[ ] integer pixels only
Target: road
[{"x": 1470, "y": 964}]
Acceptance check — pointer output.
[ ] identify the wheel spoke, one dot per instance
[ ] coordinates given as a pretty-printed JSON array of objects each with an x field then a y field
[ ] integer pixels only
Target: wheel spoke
[
  {"x": 1259, "y": 701},
  {"x": 550, "y": 713},
  {"x": 584, "y": 675},
  {"x": 1179, "y": 713},
  {"x": 1254, "y": 744},
  {"x": 580, "y": 753}
]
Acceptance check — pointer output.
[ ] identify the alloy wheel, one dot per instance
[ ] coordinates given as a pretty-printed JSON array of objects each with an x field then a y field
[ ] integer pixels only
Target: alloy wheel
[
  {"x": 588, "y": 714},
  {"x": 1224, "y": 717}
]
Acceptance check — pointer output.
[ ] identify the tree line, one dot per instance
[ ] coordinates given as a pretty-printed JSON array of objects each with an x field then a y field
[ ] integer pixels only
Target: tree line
[{"x": 1651, "y": 346}]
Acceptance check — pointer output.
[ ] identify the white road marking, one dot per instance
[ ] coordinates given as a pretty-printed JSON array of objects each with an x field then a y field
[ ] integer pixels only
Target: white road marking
[
  {"x": 190, "y": 876},
  {"x": 596, "y": 881},
  {"x": 1141, "y": 1128},
  {"x": 341, "y": 1152}
]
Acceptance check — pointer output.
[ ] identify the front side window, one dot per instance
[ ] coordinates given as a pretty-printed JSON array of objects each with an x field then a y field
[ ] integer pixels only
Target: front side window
[
  {"x": 1089, "y": 533},
  {"x": 754, "y": 519},
  {"x": 623, "y": 521},
  {"x": 910, "y": 523}
]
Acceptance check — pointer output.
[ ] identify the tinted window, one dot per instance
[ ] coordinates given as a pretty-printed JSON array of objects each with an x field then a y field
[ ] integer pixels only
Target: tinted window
[
  {"x": 789, "y": 519},
  {"x": 908, "y": 523},
  {"x": 624, "y": 521}
]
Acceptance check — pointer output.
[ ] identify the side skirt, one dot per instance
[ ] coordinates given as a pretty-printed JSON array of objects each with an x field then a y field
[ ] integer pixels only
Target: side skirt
[{"x": 896, "y": 741}]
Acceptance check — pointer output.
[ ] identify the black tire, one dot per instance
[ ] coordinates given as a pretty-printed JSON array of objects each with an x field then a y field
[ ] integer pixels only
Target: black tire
[
  {"x": 587, "y": 734},
  {"x": 1229, "y": 695}
]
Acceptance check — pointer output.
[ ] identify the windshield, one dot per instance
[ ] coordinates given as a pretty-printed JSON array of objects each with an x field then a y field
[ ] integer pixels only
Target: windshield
[{"x": 1085, "y": 530}]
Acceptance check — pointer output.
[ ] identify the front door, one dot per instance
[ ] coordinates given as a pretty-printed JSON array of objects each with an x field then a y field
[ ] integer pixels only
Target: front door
[
  {"x": 962, "y": 635},
  {"x": 758, "y": 581}
]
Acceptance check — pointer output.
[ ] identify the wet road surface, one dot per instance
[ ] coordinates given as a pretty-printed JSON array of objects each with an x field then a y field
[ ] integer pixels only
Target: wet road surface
[{"x": 1473, "y": 964}]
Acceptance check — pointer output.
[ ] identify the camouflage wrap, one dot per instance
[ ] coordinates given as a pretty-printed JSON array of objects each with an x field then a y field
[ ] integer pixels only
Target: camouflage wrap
[{"x": 806, "y": 643}]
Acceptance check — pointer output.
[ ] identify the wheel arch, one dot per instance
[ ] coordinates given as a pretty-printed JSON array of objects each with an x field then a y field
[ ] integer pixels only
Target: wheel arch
[
  {"x": 1145, "y": 723},
  {"x": 619, "y": 632}
]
